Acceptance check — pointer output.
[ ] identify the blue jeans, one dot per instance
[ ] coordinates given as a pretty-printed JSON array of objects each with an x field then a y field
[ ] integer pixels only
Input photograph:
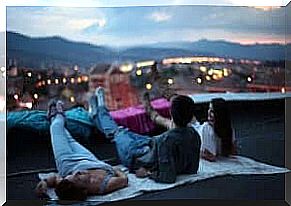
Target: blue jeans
[
  {"x": 69, "y": 155},
  {"x": 128, "y": 144}
]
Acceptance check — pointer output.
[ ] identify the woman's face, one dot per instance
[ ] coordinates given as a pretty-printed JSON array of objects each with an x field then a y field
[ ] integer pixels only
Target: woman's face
[{"x": 210, "y": 113}]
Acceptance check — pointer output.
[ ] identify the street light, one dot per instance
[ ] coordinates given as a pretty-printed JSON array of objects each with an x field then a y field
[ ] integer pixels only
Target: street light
[
  {"x": 138, "y": 72},
  {"x": 170, "y": 81},
  {"x": 35, "y": 96},
  {"x": 249, "y": 79},
  {"x": 149, "y": 86},
  {"x": 199, "y": 80}
]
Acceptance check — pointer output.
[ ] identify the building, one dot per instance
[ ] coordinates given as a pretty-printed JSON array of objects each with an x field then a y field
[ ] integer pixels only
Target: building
[{"x": 118, "y": 91}]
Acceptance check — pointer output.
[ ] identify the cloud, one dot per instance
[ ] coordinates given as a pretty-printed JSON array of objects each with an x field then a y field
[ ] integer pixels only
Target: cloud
[{"x": 160, "y": 16}]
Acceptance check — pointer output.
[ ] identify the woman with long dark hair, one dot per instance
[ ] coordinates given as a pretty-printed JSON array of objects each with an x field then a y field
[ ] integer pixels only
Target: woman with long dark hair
[{"x": 217, "y": 135}]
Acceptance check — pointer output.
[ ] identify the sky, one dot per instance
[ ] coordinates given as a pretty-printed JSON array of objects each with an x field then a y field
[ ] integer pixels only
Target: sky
[{"x": 130, "y": 26}]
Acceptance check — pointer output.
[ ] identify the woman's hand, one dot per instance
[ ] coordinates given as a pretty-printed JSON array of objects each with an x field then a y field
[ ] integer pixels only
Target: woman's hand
[
  {"x": 142, "y": 172},
  {"x": 41, "y": 189}
]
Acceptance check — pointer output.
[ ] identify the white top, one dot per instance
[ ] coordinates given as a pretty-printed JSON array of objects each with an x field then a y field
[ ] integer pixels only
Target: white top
[{"x": 209, "y": 139}]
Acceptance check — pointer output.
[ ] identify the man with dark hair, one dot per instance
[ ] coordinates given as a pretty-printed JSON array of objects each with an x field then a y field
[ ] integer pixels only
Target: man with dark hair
[
  {"x": 161, "y": 157},
  {"x": 80, "y": 172}
]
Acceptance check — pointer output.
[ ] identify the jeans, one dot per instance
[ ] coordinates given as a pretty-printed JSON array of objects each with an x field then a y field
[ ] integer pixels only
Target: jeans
[
  {"x": 69, "y": 155},
  {"x": 128, "y": 144}
]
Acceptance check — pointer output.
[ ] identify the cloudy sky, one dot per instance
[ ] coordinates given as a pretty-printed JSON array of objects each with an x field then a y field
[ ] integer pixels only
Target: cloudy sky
[{"x": 127, "y": 26}]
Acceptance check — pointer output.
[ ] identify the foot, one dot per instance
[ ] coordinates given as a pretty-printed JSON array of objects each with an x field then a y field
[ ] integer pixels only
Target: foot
[
  {"x": 100, "y": 94},
  {"x": 93, "y": 104},
  {"x": 55, "y": 107}
]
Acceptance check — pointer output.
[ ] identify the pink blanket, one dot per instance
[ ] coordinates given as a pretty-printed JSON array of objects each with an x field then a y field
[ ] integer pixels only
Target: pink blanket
[{"x": 137, "y": 120}]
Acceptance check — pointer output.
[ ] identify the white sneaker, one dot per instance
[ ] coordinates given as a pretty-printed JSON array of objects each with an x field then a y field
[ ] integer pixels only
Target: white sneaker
[{"x": 100, "y": 94}]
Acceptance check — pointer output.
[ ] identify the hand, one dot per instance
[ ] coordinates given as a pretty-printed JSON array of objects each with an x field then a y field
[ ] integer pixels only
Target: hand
[
  {"x": 41, "y": 189},
  {"x": 142, "y": 172}
]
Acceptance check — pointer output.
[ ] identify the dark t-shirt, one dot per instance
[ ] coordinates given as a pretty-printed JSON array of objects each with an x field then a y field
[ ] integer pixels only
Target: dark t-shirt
[{"x": 174, "y": 152}]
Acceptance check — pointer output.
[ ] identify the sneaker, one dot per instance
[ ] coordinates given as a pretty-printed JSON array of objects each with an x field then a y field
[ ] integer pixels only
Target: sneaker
[
  {"x": 93, "y": 104},
  {"x": 100, "y": 94},
  {"x": 55, "y": 107}
]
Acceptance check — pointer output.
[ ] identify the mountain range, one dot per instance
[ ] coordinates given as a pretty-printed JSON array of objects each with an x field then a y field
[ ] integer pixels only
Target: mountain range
[{"x": 54, "y": 51}]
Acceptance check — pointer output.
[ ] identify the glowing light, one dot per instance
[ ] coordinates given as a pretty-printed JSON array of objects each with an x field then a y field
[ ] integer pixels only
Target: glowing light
[
  {"x": 76, "y": 68},
  {"x": 79, "y": 80},
  {"x": 225, "y": 72},
  {"x": 149, "y": 86},
  {"x": 126, "y": 68},
  {"x": 43, "y": 82},
  {"x": 72, "y": 99},
  {"x": 249, "y": 79},
  {"x": 39, "y": 77},
  {"x": 29, "y": 74},
  {"x": 215, "y": 77},
  {"x": 199, "y": 80},
  {"x": 208, "y": 78},
  {"x": 56, "y": 81},
  {"x": 210, "y": 72},
  {"x": 170, "y": 81},
  {"x": 16, "y": 97},
  {"x": 138, "y": 72},
  {"x": 72, "y": 80},
  {"x": 203, "y": 69},
  {"x": 26, "y": 104},
  {"x": 35, "y": 96},
  {"x": 283, "y": 90},
  {"x": 49, "y": 81},
  {"x": 144, "y": 64},
  {"x": 85, "y": 78},
  {"x": 64, "y": 80}
]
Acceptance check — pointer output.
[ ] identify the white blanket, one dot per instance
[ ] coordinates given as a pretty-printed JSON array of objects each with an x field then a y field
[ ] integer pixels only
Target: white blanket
[{"x": 236, "y": 165}]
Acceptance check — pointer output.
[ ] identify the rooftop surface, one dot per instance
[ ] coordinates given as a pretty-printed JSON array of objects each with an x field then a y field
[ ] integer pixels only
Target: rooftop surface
[{"x": 259, "y": 129}]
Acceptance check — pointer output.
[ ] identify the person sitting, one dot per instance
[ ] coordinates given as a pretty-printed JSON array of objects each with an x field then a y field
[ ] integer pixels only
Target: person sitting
[
  {"x": 161, "y": 157},
  {"x": 217, "y": 135},
  {"x": 80, "y": 173}
]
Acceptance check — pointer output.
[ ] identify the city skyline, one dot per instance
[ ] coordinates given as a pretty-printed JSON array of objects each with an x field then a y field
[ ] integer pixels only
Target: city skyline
[{"x": 132, "y": 26}]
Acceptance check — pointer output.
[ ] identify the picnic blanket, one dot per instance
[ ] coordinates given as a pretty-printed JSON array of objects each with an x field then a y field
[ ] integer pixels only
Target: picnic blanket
[{"x": 236, "y": 165}]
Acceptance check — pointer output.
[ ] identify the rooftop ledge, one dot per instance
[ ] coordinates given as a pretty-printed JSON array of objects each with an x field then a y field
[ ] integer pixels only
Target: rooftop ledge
[{"x": 248, "y": 96}]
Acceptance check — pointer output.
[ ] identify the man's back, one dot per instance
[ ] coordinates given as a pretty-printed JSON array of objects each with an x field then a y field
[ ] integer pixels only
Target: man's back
[{"x": 178, "y": 152}]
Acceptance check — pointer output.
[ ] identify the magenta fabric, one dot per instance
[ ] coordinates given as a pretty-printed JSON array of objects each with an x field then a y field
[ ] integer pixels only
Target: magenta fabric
[{"x": 137, "y": 120}]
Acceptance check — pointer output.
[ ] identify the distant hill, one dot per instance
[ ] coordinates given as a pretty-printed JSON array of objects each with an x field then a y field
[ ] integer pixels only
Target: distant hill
[
  {"x": 54, "y": 51},
  {"x": 221, "y": 48}
]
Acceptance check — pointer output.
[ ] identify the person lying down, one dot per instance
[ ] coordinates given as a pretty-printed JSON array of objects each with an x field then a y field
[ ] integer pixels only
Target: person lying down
[{"x": 80, "y": 173}]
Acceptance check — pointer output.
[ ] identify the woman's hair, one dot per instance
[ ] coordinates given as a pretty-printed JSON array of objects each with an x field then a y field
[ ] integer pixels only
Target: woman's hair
[
  {"x": 66, "y": 190},
  {"x": 182, "y": 110},
  {"x": 222, "y": 125}
]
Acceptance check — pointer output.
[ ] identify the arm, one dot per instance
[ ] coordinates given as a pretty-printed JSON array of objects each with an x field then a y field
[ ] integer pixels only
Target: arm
[
  {"x": 118, "y": 182},
  {"x": 43, "y": 185},
  {"x": 209, "y": 145}
]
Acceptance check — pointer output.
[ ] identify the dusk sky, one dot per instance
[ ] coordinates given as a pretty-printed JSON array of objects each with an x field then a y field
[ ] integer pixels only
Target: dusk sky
[{"x": 128, "y": 26}]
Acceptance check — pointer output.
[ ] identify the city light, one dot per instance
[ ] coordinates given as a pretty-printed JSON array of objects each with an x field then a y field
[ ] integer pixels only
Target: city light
[
  {"x": 26, "y": 104},
  {"x": 215, "y": 77},
  {"x": 210, "y": 72},
  {"x": 144, "y": 64},
  {"x": 29, "y": 74},
  {"x": 208, "y": 78},
  {"x": 72, "y": 80},
  {"x": 225, "y": 72},
  {"x": 126, "y": 68},
  {"x": 39, "y": 77},
  {"x": 72, "y": 99},
  {"x": 249, "y": 79},
  {"x": 203, "y": 69},
  {"x": 64, "y": 80},
  {"x": 56, "y": 81},
  {"x": 43, "y": 82},
  {"x": 199, "y": 80},
  {"x": 149, "y": 86},
  {"x": 16, "y": 97},
  {"x": 49, "y": 81},
  {"x": 170, "y": 81},
  {"x": 76, "y": 68},
  {"x": 35, "y": 96},
  {"x": 138, "y": 72},
  {"x": 85, "y": 78},
  {"x": 79, "y": 80},
  {"x": 283, "y": 90}
]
